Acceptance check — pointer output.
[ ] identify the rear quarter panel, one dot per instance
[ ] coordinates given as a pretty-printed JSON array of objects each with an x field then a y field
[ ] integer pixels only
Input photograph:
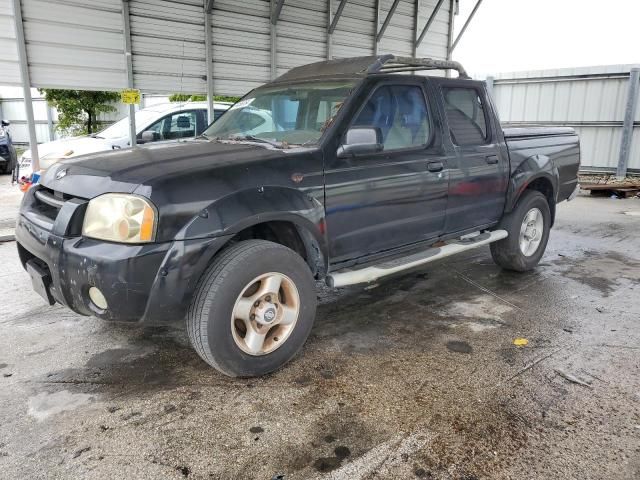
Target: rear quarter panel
[{"x": 543, "y": 155}]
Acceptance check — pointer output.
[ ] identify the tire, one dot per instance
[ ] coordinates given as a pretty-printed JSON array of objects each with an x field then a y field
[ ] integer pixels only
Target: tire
[
  {"x": 217, "y": 337},
  {"x": 508, "y": 252}
]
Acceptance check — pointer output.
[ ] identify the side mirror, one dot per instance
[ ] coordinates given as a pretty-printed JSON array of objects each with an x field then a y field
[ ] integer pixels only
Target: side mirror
[
  {"x": 5, "y": 123},
  {"x": 360, "y": 141},
  {"x": 148, "y": 136}
]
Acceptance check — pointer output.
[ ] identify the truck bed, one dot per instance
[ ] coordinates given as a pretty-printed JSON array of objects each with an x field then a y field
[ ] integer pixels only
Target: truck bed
[{"x": 558, "y": 145}]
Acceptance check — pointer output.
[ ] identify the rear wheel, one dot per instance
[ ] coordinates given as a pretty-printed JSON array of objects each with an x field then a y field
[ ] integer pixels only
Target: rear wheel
[
  {"x": 253, "y": 309},
  {"x": 528, "y": 226}
]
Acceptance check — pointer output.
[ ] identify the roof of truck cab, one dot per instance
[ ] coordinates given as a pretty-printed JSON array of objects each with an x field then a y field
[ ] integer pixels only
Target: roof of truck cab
[{"x": 361, "y": 67}]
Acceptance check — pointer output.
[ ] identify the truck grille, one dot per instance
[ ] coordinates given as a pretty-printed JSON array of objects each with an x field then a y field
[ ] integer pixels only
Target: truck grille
[
  {"x": 48, "y": 203},
  {"x": 4, "y": 152}
]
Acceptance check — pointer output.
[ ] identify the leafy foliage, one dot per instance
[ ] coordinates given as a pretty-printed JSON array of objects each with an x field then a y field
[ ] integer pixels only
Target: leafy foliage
[
  {"x": 187, "y": 97},
  {"x": 79, "y": 109}
]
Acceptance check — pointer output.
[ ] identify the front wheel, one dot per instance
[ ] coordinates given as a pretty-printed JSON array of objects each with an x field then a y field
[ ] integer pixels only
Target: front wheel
[
  {"x": 528, "y": 226},
  {"x": 253, "y": 309}
]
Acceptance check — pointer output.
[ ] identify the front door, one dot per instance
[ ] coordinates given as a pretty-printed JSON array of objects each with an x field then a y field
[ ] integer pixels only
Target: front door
[
  {"x": 395, "y": 197},
  {"x": 479, "y": 171}
]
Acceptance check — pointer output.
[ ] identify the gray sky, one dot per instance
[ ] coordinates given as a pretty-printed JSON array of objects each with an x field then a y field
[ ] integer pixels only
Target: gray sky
[{"x": 514, "y": 35}]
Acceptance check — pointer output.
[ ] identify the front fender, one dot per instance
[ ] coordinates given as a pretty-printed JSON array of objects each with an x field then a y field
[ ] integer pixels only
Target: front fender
[
  {"x": 233, "y": 213},
  {"x": 530, "y": 169}
]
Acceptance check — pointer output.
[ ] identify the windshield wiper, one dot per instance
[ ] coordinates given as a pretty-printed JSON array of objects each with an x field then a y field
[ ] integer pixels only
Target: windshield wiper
[{"x": 256, "y": 139}]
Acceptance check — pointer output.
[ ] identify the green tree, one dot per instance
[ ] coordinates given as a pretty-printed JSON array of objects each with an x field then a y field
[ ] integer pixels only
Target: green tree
[
  {"x": 79, "y": 109},
  {"x": 188, "y": 97}
]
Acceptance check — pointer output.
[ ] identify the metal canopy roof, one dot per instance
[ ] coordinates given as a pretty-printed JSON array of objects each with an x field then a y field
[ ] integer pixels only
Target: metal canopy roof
[{"x": 204, "y": 46}]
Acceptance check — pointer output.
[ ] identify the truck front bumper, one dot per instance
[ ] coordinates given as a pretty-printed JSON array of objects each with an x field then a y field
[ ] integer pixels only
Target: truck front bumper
[{"x": 150, "y": 283}]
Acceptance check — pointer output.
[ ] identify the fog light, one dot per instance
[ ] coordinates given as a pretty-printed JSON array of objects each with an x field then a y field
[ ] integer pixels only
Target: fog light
[{"x": 97, "y": 298}]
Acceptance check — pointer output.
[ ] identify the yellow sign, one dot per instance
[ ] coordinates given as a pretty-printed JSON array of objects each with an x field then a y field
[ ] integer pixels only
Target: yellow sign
[{"x": 130, "y": 96}]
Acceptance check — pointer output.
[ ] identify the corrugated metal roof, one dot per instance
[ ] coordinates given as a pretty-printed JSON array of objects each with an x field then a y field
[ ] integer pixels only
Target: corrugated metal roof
[{"x": 80, "y": 43}]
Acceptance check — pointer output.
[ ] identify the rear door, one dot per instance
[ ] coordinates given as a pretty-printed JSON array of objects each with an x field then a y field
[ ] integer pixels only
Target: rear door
[
  {"x": 479, "y": 174},
  {"x": 396, "y": 197}
]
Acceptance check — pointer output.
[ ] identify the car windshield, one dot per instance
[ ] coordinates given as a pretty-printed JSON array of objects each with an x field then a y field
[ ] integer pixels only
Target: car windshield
[
  {"x": 291, "y": 114},
  {"x": 121, "y": 127}
]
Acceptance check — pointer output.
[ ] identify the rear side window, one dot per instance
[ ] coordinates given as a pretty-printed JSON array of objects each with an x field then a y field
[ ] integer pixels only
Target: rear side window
[{"x": 466, "y": 116}]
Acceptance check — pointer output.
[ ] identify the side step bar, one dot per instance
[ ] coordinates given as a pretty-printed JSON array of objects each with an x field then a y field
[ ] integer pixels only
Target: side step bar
[{"x": 346, "y": 277}]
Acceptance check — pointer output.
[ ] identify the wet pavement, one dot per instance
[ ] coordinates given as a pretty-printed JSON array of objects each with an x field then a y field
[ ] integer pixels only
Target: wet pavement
[{"x": 416, "y": 377}]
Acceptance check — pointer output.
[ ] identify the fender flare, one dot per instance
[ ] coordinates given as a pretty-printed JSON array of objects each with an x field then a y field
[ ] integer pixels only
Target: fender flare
[
  {"x": 233, "y": 213},
  {"x": 529, "y": 170}
]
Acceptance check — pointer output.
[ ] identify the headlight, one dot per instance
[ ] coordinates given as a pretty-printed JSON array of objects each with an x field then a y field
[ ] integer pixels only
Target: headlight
[
  {"x": 118, "y": 217},
  {"x": 2, "y": 134}
]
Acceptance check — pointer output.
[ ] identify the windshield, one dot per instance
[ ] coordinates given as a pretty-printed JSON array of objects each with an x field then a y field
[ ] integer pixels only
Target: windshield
[
  {"x": 121, "y": 127},
  {"x": 291, "y": 114}
]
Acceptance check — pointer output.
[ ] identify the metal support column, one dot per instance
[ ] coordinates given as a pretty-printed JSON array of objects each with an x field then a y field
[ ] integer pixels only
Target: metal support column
[
  {"x": 329, "y": 34},
  {"x": 49, "y": 122},
  {"x": 466, "y": 24},
  {"x": 489, "y": 81},
  {"x": 336, "y": 17},
  {"x": 375, "y": 31},
  {"x": 273, "y": 34},
  {"x": 452, "y": 13},
  {"x": 629, "y": 117},
  {"x": 432, "y": 17},
  {"x": 208, "y": 49},
  {"x": 26, "y": 84},
  {"x": 387, "y": 19},
  {"x": 129, "y": 59},
  {"x": 416, "y": 19}
]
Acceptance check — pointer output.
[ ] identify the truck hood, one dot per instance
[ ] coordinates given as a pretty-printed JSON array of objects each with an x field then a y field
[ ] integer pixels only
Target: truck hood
[{"x": 140, "y": 169}]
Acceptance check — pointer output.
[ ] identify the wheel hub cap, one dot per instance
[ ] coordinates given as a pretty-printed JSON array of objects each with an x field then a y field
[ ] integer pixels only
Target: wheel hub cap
[
  {"x": 531, "y": 232},
  {"x": 265, "y": 313}
]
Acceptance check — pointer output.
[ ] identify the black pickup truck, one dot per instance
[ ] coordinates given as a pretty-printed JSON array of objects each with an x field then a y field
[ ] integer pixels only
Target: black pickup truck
[{"x": 344, "y": 171}]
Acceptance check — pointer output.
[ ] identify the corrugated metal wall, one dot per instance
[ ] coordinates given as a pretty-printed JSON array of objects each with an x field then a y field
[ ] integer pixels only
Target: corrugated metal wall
[
  {"x": 80, "y": 43},
  {"x": 354, "y": 35},
  {"x": 167, "y": 40},
  {"x": 591, "y": 99},
  {"x": 74, "y": 43},
  {"x": 435, "y": 43},
  {"x": 9, "y": 66},
  {"x": 241, "y": 45},
  {"x": 401, "y": 33},
  {"x": 302, "y": 33}
]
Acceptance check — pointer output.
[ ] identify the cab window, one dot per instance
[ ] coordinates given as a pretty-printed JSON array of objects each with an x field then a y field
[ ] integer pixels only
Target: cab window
[
  {"x": 466, "y": 116},
  {"x": 401, "y": 114}
]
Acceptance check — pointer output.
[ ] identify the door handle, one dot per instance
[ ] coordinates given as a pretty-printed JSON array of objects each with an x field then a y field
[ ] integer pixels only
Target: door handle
[
  {"x": 435, "y": 166},
  {"x": 492, "y": 159}
]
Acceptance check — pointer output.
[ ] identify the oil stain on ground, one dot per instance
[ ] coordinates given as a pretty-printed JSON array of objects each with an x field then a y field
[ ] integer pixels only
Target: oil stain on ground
[{"x": 459, "y": 346}]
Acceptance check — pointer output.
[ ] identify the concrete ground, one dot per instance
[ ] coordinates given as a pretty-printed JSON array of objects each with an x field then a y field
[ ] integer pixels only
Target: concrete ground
[
  {"x": 417, "y": 377},
  {"x": 10, "y": 197}
]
